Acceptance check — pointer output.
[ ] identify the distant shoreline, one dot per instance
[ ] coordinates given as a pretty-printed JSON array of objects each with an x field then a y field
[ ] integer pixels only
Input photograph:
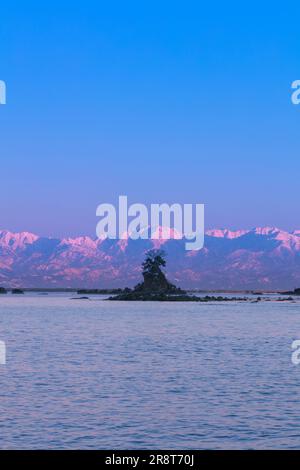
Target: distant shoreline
[{"x": 118, "y": 290}]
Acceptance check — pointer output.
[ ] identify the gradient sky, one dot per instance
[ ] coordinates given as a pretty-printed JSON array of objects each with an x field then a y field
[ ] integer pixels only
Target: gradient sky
[{"x": 163, "y": 101}]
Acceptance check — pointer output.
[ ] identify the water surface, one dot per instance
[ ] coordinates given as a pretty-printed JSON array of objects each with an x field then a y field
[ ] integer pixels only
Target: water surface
[{"x": 130, "y": 375}]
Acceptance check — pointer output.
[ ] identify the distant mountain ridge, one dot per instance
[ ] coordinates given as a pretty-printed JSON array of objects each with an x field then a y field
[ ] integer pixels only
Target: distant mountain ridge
[{"x": 261, "y": 258}]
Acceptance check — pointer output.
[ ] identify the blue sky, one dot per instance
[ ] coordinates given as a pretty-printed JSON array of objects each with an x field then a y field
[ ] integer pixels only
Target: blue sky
[{"x": 162, "y": 101}]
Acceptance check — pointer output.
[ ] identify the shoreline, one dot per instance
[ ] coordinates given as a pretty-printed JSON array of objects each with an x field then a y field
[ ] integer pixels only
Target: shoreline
[{"x": 117, "y": 290}]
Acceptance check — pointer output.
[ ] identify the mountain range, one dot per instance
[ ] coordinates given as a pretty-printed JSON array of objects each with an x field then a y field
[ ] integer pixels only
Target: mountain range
[{"x": 262, "y": 258}]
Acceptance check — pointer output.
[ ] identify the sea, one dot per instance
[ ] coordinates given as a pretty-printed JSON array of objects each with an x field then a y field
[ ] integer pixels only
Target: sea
[{"x": 95, "y": 374}]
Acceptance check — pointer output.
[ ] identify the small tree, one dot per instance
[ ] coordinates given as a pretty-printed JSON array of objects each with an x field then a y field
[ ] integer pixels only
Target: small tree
[{"x": 155, "y": 260}]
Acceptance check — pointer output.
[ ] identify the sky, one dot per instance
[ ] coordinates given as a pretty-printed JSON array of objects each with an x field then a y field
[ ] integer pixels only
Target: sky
[{"x": 162, "y": 101}]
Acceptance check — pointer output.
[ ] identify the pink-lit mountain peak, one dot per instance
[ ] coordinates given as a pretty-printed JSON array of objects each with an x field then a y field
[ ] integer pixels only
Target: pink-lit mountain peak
[
  {"x": 225, "y": 233},
  {"x": 270, "y": 231},
  {"x": 80, "y": 242},
  {"x": 16, "y": 240}
]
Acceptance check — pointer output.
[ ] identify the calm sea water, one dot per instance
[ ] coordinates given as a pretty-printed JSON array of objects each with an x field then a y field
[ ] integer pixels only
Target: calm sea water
[{"x": 113, "y": 375}]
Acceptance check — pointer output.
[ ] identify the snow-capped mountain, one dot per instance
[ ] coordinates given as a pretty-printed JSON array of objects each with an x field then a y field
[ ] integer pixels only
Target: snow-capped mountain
[{"x": 261, "y": 258}]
